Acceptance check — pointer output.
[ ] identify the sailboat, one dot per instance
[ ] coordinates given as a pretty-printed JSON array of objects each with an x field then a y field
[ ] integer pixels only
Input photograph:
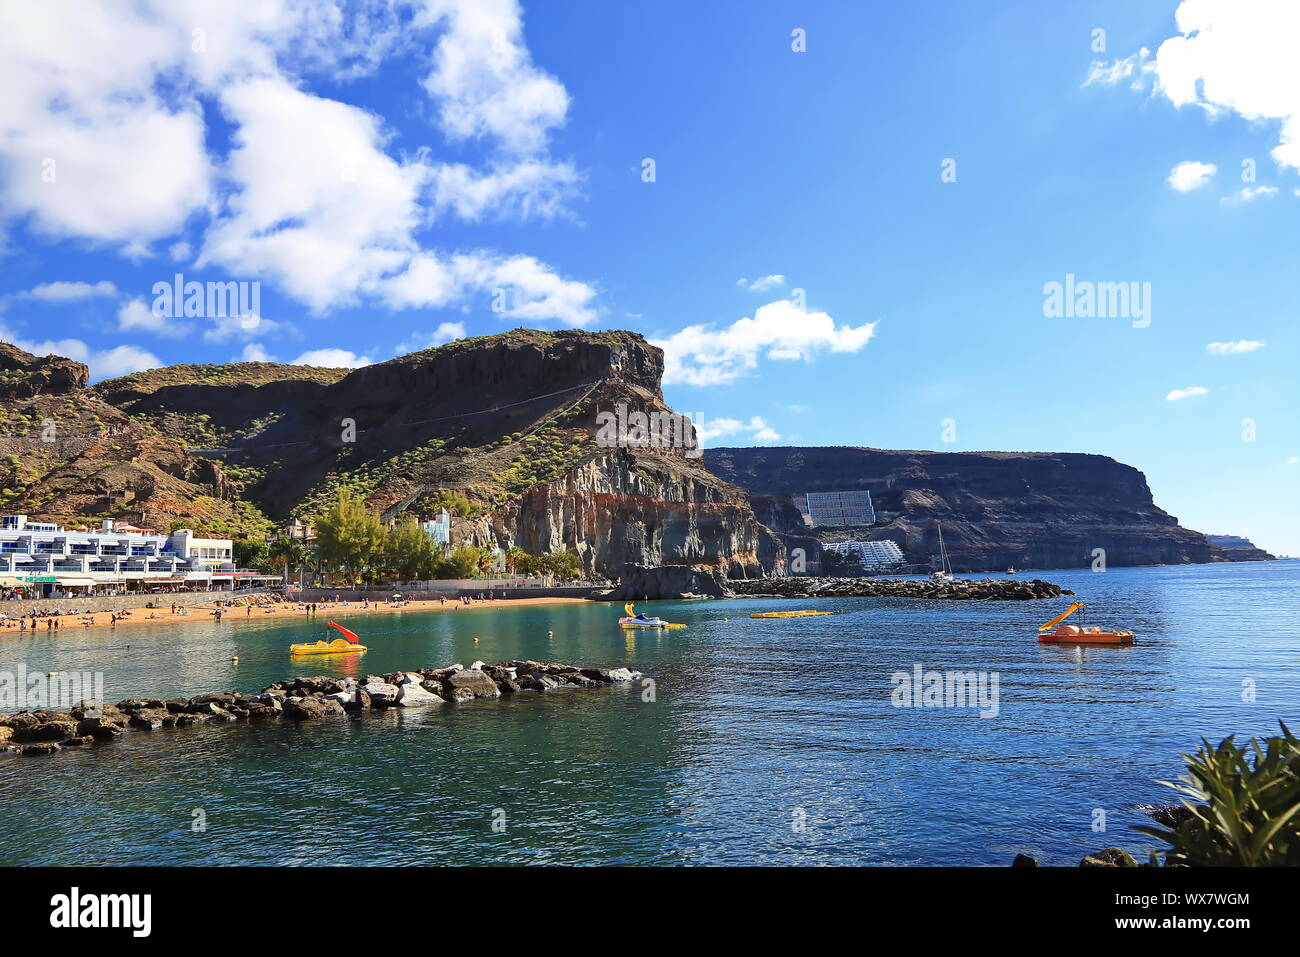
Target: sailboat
[{"x": 944, "y": 573}]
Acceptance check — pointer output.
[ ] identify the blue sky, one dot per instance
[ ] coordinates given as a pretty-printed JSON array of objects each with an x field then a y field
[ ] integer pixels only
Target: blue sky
[{"x": 383, "y": 173}]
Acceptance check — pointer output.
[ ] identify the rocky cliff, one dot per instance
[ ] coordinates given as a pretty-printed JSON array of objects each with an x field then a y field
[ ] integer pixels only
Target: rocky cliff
[
  {"x": 510, "y": 422},
  {"x": 997, "y": 509},
  {"x": 69, "y": 456}
]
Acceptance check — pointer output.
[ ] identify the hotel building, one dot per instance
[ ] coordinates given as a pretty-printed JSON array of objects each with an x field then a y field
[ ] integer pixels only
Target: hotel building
[{"x": 50, "y": 561}]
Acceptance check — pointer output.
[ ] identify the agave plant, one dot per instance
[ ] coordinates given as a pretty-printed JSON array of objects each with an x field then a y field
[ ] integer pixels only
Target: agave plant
[{"x": 1242, "y": 814}]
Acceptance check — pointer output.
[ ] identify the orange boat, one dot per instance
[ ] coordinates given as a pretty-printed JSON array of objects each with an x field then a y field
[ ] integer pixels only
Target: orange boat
[{"x": 1071, "y": 634}]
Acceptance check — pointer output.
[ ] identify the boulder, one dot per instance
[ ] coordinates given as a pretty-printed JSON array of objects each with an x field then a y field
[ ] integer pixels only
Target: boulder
[
  {"x": 411, "y": 693},
  {"x": 304, "y": 709},
  {"x": 623, "y": 674},
  {"x": 1110, "y": 857},
  {"x": 149, "y": 719},
  {"x": 382, "y": 694},
  {"x": 649, "y": 583},
  {"x": 40, "y": 750},
  {"x": 1024, "y": 860},
  {"x": 6, "y": 735},
  {"x": 479, "y": 684}
]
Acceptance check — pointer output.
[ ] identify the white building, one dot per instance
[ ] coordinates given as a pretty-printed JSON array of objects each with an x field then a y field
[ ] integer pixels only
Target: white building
[
  {"x": 871, "y": 555},
  {"x": 439, "y": 530},
  {"x": 115, "y": 557}
]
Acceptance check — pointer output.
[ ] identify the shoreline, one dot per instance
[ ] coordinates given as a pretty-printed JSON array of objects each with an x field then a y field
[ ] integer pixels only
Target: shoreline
[{"x": 260, "y": 612}]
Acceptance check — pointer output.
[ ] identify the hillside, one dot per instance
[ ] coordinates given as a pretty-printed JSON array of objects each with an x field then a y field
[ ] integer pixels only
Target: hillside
[
  {"x": 507, "y": 421},
  {"x": 997, "y": 509},
  {"x": 69, "y": 456}
]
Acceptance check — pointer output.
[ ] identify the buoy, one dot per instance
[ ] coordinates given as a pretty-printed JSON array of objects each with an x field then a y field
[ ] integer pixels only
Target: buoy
[
  {"x": 235, "y": 658},
  {"x": 476, "y": 639},
  {"x": 52, "y": 674}
]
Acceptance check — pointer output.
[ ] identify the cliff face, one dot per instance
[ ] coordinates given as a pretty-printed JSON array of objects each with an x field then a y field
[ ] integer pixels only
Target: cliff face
[
  {"x": 997, "y": 509},
  {"x": 510, "y": 422},
  {"x": 67, "y": 455}
]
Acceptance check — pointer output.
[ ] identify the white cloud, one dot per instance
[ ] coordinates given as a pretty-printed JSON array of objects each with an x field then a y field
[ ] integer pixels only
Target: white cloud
[
  {"x": 1247, "y": 193},
  {"x": 527, "y": 189},
  {"x": 483, "y": 77},
  {"x": 1232, "y": 348},
  {"x": 701, "y": 355},
  {"x": 1190, "y": 174},
  {"x": 73, "y": 291},
  {"x": 1293, "y": 460},
  {"x": 1230, "y": 56},
  {"x": 521, "y": 287},
  {"x": 309, "y": 196},
  {"x": 763, "y": 284},
  {"x": 134, "y": 315},
  {"x": 253, "y": 352},
  {"x": 1189, "y": 392},
  {"x": 1106, "y": 73},
  {"x": 103, "y": 363},
  {"x": 225, "y": 328},
  {"x": 759, "y": 431},
  {"x": 446, "y": 332},
  {"x": 332, "y": 359}
]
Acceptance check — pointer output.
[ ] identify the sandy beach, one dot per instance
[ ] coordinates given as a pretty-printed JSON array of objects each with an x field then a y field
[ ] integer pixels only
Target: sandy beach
[{"x": 246, "y": 609}]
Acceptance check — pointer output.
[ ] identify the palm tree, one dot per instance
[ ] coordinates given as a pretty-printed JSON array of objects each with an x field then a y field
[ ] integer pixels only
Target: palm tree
[{"x": 287, "y": 552}]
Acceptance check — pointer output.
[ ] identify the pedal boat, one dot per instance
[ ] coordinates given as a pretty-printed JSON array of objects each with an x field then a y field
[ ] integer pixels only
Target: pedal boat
[
  {"x": 1073, "y": 635},
  {"x": 804, "y": 613},
  {"x": 633, "y": 620},
  {"x": 346, "y": 645}
]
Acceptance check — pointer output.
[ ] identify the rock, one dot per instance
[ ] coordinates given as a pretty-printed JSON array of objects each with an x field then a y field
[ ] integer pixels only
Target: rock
[
  {"x": 1110, "y": 857},
  {"x": 304, "y": 709},
  {"x": 178, "y": 705},
  {"x": 331, "y": 706},
  {"x": 623, "y": 674},
  {"x": 460, "y": 695},
  {"x": 411, "y": 693},
  {"x": 80, "y": 742},
  {"x": 474, "y": 681},
  {"x": 1170, "y": 815},
  {"x": 115, "y": 724},
  {"x": 21, "y": 722},
  {"x": 382, "y": 694},
  {"x": 188, "y": 720},
  {"x": 476, "y": 666},
  {"x": 1024, "y": 860},
  {"x": 499, "y": 673},
  {"x": 148, "y": 719},
  {"x": 648, "y": 583},
  {"x": 40, "y": 750},
  {"x": 6, "y": 735},
  {"x": 221, "y": 700},
  {"x": 360, "y": 701},
  {"x": 537, "y": 682},
  {"x": 342, "y": 698},
  {"x": 508, "y": 686}
]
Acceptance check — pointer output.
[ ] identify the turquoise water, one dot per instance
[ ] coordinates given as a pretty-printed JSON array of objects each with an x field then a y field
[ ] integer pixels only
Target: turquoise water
[{"x": 756, "y": 726}]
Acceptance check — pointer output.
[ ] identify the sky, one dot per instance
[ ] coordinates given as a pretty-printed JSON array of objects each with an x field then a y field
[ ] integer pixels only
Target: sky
[{"x": 842, "y": 221}]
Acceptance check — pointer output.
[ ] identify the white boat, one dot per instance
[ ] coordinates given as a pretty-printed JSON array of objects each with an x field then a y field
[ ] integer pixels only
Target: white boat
[{"x": 944, "y": 573}]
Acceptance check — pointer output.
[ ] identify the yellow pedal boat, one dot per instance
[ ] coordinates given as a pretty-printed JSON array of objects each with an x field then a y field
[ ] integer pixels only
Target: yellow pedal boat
[
  {"x": 805, "y": 613},
  {"x": 339, "y": 646}
]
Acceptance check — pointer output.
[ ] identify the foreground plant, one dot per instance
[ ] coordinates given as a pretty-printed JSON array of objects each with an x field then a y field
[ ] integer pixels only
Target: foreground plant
[{"x": 1245, "y": 814}]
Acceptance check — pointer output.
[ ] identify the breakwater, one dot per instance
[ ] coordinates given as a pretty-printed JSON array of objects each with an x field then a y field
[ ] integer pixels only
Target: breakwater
[
  {"x": 958, "y": 589},
  {"x": 90, "y": 721}
]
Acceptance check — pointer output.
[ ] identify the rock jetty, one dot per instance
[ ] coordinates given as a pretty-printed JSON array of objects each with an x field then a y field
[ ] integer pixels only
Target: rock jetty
[
  {"x": 958, "y": 589},
  {"x": 91, "y": 722}
]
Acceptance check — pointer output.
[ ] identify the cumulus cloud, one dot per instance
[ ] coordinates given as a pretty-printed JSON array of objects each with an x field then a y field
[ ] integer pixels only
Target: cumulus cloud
[
  {"x": 702, "y": 355},
  {"x": 1247, "y": 193},
  {"x": 135, "y": 316},
  {"x": 332, "y": 359},
  {"x": 254, "y": 352},
  {"x": 1180, "y": 394},
  {"x": 761, "y": 285},
  {"x": 1230, "y": 56},
  {"x": 309, "y": 196},
  {"x": 446, "y": 332},
  {"x": 756, "y": 428},
  {"x": 1232, "y": 348},
  {"x": 1190, "y": 175},
  {"x": 73, "y": 291},
  {"x": 103, "y": 363}
]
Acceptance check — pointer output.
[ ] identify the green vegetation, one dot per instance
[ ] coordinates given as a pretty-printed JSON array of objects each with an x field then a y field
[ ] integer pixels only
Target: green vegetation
[
  {"x": 409, "y": 552},
  {"x": 1247, "y": 814},
  {"x": 348, "y": 535},
  {"x": 231, "y": 373},
  {"x": 287, "y": 553}
]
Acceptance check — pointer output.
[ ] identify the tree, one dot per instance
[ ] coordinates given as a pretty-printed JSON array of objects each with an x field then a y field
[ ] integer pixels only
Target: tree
[
  {"x": 287, "y": 553},
  {"x": 463, "y": 562},
  {"x": 249, "y": 552},
  {"x": 350, "y": 536},
  {"x": 409, "y": 552},
  {"x": 517, "y": 560}
]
